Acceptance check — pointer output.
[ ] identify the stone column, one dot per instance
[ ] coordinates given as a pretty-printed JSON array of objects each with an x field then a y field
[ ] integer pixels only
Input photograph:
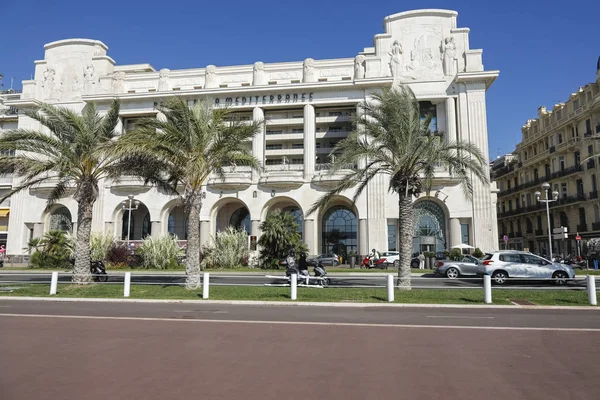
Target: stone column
[
  {"x": 255, "y": 228},
  {"x": 74, "y": 224},
  {"x": 363, "y": 244},
  {"x": 377, "y": 221},
  {"x": 119, "y": 127},
  {"x": 38, "y": 230},
  {"x": 455, "y": 233},
  {"x": 258, "y": 142},
  {"x": 309, "y": 141},
  {"x": 483, "y": 223},
  {"x": 204, "y": 233},
  {"x": 450, "y": 119},
  {"x": 309, "y": 235},
  {"x": 155, "y": 229}
]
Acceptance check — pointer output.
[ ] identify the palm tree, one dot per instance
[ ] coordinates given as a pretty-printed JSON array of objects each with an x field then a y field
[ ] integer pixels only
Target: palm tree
[
  {"x": 392, "y": 139},
  {"x": 279, "y": 232},
  {"x": 187, "y": 144},
  {"x": 73, "y": 154}
]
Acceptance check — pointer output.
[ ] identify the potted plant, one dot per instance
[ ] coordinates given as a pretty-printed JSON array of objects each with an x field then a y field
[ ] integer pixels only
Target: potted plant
[
  {"x": 477, "y": 253},
  {"x": 429, "y": 259},
  {"x": 352, "y": 256}
]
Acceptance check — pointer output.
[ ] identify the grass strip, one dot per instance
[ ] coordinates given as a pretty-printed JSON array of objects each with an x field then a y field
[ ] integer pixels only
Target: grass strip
[{"x": 363, "y": 295}]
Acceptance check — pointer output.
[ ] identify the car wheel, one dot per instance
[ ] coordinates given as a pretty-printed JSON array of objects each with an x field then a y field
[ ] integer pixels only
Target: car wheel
[
  {"x": 500, "y": 277},
  {"x": 560, "y": 277},
  {"x": 452, "y": 273},
  {"x": 397, "y": 264}
]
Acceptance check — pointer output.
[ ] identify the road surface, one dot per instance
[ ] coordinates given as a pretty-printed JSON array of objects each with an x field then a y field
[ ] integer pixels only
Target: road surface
[
  {"x": 257, "y": 279},
  {"x": 105, "y": 351}
]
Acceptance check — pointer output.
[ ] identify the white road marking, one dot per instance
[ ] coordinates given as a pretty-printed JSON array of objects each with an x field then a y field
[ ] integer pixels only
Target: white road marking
[
  {"x": 350, "y": 324},
  {"x": 458, "y": 316}
]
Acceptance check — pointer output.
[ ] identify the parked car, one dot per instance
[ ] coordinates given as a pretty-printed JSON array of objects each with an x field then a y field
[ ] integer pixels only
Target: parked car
[
  {"x": 391, "y": 259},
  {"x": 328, "y": 259},
  {"x": 504, "y": 264},
  {"x": 467, "y": 265}
]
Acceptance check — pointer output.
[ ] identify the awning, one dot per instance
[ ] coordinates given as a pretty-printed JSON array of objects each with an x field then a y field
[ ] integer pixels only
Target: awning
[{"x": 4, "y": 213}]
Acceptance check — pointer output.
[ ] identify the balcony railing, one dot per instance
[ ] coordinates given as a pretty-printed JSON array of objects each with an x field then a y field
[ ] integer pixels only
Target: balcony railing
[
  {"x": 596, "y": 226},
  {"x": 12, "y": 110},
  {"x": 582, "y": 227},
  {"x": 327, "y": 166},
  {"x": 539, "y": 232}
]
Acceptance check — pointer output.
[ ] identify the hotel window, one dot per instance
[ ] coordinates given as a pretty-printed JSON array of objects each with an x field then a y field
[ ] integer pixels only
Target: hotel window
[
  {"x": 335, "y": 113},
  {"x": 563, "y": 189},
  {"x": 561, "y": 162},
  {"x": 298, "y": 130},
  {"x": 588, "y": 127},
  {"x": 273, "y": 161},
  {"x": 576, "y": 104},
  {"x": 391, "y": 237},
  {"x": 539, "y": 222},
  {"x": 429, "y": 109},
  {"x": 464, "y": 232},
  {"x": 297, "y": 161},
  {"x": 560, "y": 138},
  {"x": 576, "y": 158},
  {"x": 335, "y": 129},
  {"x": 274, "y": 147},
  {"x": 298, "y": 146},
  {"x": 274, "y": 132}
]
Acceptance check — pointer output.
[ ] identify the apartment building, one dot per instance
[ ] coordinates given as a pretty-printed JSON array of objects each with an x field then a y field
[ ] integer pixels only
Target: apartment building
[
  {"x": 552, "y": 149},
  {"x": 308, "y": 107},
  {"x": 8, "y": 120}
]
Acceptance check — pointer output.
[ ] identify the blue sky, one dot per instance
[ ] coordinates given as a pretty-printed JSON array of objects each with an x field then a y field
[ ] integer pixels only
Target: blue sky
[{"x": 544, "y": 50}]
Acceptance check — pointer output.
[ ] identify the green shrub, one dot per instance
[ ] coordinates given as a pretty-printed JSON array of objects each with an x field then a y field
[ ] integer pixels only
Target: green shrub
[
  {"x": 455, "y": 255},
  {"x": 40, "y": 259},
  {"x": 477, "y": 253},
  {"x": 101, "y": 243},
  {"x": 52, "y": 251},
  {"x": 229, "y": 250},
  {"x": 429, "y": 254},
  {"x": 160, "y": 253}
]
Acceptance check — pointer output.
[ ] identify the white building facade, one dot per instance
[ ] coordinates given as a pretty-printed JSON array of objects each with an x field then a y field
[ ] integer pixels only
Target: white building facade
[{"x": 307, "y": 106}]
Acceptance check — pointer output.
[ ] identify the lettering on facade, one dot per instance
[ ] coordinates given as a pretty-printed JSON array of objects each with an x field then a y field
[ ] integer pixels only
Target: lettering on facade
[{"x": 266, "y": 99}]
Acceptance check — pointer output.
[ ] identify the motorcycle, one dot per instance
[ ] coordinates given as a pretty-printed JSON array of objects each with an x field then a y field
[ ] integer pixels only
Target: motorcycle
[
  {"x": 319, "y": 278},
  {"x": 368, "y": 263},
  {"x": 97, "y": 269}
]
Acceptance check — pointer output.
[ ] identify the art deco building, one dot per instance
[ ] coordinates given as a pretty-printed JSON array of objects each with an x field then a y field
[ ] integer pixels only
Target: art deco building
[{"x": 308, "y": 106}]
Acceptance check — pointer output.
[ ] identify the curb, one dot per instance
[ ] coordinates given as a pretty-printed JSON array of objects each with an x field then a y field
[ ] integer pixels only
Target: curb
[
  {"x": 295, "y": 304},
  {"x": 216, "y": 273}
]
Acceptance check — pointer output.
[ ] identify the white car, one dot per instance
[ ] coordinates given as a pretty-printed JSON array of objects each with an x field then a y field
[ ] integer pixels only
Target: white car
[
  {"x": 505, "y": 264},
  {"x": 391, "y": 258}
]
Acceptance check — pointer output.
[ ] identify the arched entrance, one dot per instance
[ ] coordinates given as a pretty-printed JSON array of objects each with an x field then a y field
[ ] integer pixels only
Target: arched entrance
[
  {"x": 429, "y": 232},
  {"x": 288, "y": 205},
  {"x": 139, "y": 226},
  {"x": 61, "y": 220},
  {"x": 177, "y": 223},
  {"x": 232, "y": 213},
  {"x": 298, "y": 216},
  {"x": 339, "y": 231}
]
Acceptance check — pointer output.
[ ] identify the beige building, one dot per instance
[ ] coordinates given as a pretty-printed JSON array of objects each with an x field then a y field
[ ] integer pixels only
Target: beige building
[{"x": 552, "y": 148}]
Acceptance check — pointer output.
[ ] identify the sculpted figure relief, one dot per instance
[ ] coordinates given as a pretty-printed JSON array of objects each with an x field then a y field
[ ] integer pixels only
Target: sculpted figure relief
[
  {"x": 89, "y": 76},
  {"x": 258, "y": 74},
  {"x": 211, "y": 77},
  {"x": 449, "y": 56},
  {"x": 309, "y": 73},
  {"x": 359, "y": 66},
  {"x": 119, "y": 82},
  {"x": 48, "y": 82},
  {"x": 163, "y": 79},
  {"x": 396, "y": 62}
]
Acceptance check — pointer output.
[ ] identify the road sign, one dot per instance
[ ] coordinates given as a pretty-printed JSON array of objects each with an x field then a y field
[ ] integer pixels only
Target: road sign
[
  {"x": 560, "y": 236},
  {"x": 562, "y": 229},
  {"x": 578, "y": 238},
  {"x": 505, "y": 238}
]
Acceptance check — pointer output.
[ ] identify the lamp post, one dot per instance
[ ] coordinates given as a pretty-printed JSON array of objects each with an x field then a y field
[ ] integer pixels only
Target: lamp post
[
  {"x": 547, "y": 200},
  {"x": 128, "y": 206}
]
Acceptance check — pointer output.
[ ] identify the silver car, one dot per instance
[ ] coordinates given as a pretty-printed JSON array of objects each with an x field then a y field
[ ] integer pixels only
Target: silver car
[
  {"x": 452, "y": 269},
  {"x": 505, "y": 264}
]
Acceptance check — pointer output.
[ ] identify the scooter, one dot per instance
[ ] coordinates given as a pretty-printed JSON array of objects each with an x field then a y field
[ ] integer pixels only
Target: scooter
[
  {"x": 368, "y": 263},
  {"x": 319, "y": 279},
  {"x": 98, "y": 271}
]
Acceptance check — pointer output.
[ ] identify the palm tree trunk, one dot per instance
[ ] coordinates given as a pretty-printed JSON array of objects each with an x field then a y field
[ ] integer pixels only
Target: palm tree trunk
[
  {"x": 81, "y": 270},
  {"x": 405, "y": 223},
  {"x": 192, "y": 254}
]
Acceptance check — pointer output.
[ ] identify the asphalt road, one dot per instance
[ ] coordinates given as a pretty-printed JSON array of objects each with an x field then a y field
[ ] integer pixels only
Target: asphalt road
[
  {"x": 256, "y": 279},
  {"x": 92, "y": 351}
]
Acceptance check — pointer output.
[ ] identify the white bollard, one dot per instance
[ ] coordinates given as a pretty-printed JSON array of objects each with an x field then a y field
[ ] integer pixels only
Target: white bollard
[
  {"x": 487, "y": 289},
  {"x": 54, "y": 282},
  {"x": 591, "y": 287},
  {"x": 127, "y": 288},
  {"x": 294, "y": 285},
  {"x": 205, "y": 285},
  {"x": 390, "y": 288}
]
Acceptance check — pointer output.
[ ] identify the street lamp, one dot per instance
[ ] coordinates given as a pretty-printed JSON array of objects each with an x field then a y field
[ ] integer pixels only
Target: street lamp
[
  {"x": 128, "y": 206},
  {"x": 546, "y": 188}
]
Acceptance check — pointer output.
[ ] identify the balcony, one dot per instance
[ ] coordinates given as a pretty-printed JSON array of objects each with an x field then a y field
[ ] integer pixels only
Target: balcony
[
  {"x": 582, "y": 227},
  {"x": 596, "y": 226},
  {"x": 12, "y": 110},
  {"x": 539, "y": 232},
  {"x": 278, "y": 121},
  {"x": 235, "y": 178},
  {"x": 322, "y": 176},
  {"x": 283, "y": 176},
  {"x": 567, "y": 171}
]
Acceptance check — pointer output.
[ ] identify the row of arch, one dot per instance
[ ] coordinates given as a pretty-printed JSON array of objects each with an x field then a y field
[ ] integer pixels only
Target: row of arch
[
  {"x": 338, "y": 224},
  {"x": 540, "y": 219}
]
